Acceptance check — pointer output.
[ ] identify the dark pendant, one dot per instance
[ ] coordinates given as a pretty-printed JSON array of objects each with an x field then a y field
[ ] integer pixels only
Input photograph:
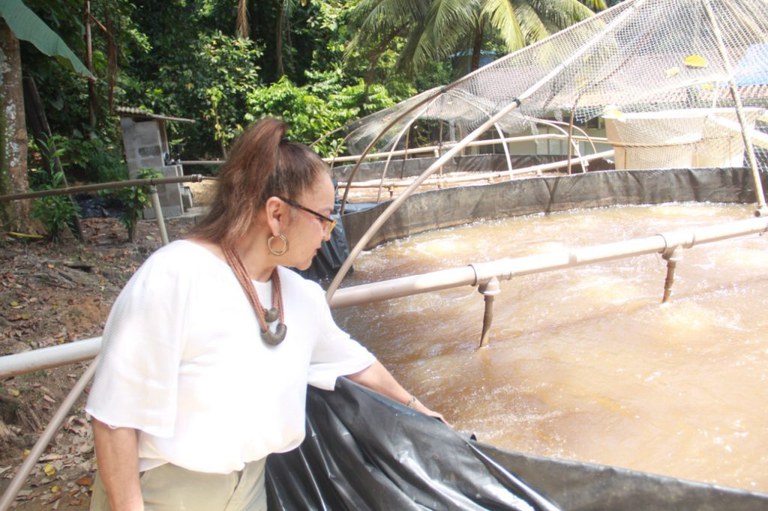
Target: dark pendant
[
  {"x": 276, "y": 337},
  {"x": 271, "y": 315}
]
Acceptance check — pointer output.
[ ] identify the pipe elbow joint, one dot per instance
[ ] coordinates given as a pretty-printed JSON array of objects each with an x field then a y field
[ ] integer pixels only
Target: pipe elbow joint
[{"x": 490, "y": 287}]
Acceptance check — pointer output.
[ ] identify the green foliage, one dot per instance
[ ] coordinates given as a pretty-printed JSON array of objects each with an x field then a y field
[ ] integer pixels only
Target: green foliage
[
  {"x": 433, "y": 31},
  {"x": 209, "y": 83},
  {"x": 181, "y": 58},
  {"x": 318, "y": 109},
  {"x": 57, "y": 213},
  {"x": 27, "y": 26},
  {"x": 93, "y": 159},
  {"x": 92, "y": 152},
  {"x": 134, "y": 199},
  {"x": 225, "y": 74}
]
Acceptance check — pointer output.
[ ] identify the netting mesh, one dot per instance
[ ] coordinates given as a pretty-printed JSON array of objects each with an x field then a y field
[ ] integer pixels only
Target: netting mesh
[{"x": 659, "y": 72}]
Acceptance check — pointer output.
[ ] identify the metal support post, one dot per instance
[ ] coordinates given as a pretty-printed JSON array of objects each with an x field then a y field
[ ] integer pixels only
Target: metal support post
[{"x": 158, "y": 213}]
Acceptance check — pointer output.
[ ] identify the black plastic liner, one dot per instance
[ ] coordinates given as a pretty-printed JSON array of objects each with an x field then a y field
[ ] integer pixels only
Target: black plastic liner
[
  {"x": 448, "y": 207},
  {"x": 366, "y": 452},
  {"x": 331, "y": 255}
]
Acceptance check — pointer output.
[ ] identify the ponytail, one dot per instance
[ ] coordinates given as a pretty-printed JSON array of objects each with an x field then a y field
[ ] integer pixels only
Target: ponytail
[{"x": 261, "y": 164}]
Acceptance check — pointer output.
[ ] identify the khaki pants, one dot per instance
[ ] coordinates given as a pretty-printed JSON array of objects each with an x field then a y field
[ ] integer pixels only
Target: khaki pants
[{"x": 172, "y": 488}]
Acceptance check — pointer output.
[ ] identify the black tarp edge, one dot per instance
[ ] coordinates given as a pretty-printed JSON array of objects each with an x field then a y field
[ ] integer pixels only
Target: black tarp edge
[{"x": 366, "y": 452}]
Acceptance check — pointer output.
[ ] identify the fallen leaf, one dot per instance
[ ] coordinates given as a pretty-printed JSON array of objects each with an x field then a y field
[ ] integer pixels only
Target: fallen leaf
[
  {"x": 85, "y": 481},
  {"x": 49, "y": 470}
]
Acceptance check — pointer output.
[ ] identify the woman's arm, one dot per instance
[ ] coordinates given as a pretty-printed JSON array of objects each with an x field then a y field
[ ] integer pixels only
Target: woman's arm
[
  {"x": 377, "y": 377},
  {"x": 117, "y": 457}
]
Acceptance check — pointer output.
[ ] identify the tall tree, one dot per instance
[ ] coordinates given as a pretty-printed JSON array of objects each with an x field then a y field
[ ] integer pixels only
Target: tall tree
[
  {"x": 19, "y": 22},
  {"x": 435, "y": 29},
  {"x": 13, "y": 161}
]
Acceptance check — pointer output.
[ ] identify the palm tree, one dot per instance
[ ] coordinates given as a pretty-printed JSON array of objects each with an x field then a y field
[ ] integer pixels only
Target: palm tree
[{"x": 435, "y": 29}]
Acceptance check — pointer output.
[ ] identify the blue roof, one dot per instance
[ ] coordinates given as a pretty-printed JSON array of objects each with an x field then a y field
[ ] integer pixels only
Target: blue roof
[{"x": 752, "y": 69}]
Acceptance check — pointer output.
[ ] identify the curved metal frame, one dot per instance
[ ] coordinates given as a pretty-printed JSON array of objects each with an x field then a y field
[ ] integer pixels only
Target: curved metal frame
[{"x": 334, "y": 285}]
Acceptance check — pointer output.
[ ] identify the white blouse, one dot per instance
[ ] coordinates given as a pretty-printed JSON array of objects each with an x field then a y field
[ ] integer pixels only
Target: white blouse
[{"x": 184, "y": 363}]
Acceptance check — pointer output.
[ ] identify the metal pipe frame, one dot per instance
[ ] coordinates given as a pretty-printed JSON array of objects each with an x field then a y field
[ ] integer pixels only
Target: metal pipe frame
[
  {"x": 195, "y": 178},
  {"x": 749, "y": 148},
  {"x": 479, "y": 176},
  {"x": 433, "y": 149}
]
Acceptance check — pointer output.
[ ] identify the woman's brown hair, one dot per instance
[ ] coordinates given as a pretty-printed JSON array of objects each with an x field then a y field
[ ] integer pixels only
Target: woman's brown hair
[{"x": 261, "y": 164}]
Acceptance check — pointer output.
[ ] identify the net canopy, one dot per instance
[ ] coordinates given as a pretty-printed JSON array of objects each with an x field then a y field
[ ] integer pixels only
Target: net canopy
[
  {"x": 665, "y": 75},
  {"x": 675, "y": 83}
]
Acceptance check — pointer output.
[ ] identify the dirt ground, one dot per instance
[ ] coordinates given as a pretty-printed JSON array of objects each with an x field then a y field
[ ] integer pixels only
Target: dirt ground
[{"x": 52, "y": 294}]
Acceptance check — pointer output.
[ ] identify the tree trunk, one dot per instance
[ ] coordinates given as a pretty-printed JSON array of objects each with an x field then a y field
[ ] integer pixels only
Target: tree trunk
[
  {"x": 14, "y": 215},
  {"x": 242, "y": 29},
  {"x": 477, "y": 47},
  {"x": 279, "y": 66},
  {"x": 92, "y": 100}
]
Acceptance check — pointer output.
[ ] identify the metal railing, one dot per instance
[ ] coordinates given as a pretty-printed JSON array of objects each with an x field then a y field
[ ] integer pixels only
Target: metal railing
[
  {"x": 151, "y": 183},
  {"x": 435, "y": 150}
]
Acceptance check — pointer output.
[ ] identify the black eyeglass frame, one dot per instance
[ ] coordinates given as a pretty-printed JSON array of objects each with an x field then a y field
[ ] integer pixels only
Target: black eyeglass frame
[{"x": 331, "y": 222}]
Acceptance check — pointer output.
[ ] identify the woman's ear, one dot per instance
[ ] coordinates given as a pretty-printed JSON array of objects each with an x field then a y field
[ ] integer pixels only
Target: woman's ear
[{"x": 277, "y": 215}]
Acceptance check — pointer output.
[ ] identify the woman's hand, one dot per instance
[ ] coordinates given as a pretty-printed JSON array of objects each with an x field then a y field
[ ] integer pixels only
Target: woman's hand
[
  {"x": 419, "y": 407},
  {"x": 376, "y": 377}
]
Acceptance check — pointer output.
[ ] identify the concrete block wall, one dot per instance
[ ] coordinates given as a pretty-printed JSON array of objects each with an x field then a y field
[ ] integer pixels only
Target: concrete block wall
[
  {"x": 145, "y": 148},
  {"x": 143, "y": 145}
]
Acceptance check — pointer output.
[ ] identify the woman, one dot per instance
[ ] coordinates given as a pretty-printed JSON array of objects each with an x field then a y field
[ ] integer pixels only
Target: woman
[{"x": 209, "y": 347}]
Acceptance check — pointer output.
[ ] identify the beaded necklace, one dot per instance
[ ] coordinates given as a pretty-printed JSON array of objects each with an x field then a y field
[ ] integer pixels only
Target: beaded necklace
[{"x": 265, "y": 317}]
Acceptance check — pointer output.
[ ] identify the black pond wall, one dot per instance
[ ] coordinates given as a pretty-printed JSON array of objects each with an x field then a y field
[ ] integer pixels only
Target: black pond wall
[{"x": 456, "y": 206}]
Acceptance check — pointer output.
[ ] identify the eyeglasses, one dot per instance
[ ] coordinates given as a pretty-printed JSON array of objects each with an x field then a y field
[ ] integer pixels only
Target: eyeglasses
[{"x": 328, "y": 222}]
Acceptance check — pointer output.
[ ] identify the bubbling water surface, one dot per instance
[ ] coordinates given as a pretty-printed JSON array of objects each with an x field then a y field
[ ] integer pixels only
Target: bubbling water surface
[{"x": 586, "y": 363}]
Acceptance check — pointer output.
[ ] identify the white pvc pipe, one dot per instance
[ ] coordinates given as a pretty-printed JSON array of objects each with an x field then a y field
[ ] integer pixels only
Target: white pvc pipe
[
  {"x": 46, "y": 358},
  {"x": 8, "y": 497},
  {"x": 471, "y": 275},
  {"x": 507, "y": 268}
]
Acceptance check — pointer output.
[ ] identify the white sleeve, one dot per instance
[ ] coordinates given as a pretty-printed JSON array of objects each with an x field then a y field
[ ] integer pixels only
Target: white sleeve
[
  {"x": 136, "y": 381},
  {"x": 336, "y": 353}
]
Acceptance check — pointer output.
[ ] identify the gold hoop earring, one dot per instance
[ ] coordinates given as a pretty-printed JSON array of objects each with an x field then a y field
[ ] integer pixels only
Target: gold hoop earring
[{"x": 282, "y": 250}]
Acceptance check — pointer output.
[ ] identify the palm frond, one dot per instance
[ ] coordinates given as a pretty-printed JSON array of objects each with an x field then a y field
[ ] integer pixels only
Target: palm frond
[
  {"x": 501, "y": 15},
  {"x": 446, "y": 16},
  {"x": 531, "y": 25},
  {"x": 560, "y": 13}
]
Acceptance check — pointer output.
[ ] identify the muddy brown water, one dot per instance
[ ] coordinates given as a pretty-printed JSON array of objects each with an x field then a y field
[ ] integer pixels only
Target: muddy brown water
[{"x": 586, "y": 363}]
